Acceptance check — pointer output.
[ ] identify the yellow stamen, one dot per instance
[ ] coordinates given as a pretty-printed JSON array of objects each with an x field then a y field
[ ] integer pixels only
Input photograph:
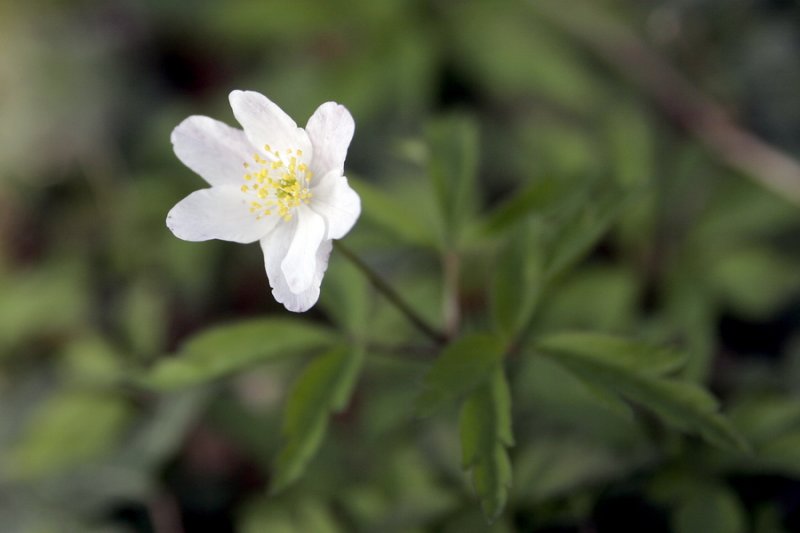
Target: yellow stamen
[{"x": 280, "y": 184}]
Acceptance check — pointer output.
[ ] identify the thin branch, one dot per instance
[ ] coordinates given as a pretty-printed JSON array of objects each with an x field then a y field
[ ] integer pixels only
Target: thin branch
[
  {"x": 451, "y": 263},
  {"x": 165, "y": 514},
  {"x": 384, "y": 288},
  {"x": 678, "y": 98}
]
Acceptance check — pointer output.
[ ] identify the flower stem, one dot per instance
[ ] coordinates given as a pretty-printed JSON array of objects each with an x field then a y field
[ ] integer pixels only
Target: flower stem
[{"x": 384, "y": 288}]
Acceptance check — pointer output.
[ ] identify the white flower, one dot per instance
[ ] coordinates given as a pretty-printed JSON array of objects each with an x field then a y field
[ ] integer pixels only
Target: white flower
[{"x": 274, "y": 183}]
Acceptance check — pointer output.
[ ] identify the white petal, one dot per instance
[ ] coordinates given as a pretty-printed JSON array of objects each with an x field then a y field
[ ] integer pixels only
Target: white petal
[
  {"x": 265, "y": 123},
  {"x": 218, "y": 213},
  {"x": 299, "y": 265},
  {"x": 275, "y": 247},
  {"x": 212, "y": 149},
  {"x": 330, "y": 129},
  {"x": 338, "y": 203}
]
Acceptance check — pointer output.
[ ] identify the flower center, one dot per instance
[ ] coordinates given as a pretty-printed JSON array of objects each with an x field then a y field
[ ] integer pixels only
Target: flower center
[{"x": 277, "y": 184}]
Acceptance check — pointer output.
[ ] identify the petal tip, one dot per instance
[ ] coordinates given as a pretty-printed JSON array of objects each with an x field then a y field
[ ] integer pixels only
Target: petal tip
[{"x": 237, "y": 96}]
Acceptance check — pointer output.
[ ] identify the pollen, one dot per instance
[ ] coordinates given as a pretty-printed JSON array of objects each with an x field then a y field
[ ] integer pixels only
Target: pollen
[{"x": 278, "y": 184}]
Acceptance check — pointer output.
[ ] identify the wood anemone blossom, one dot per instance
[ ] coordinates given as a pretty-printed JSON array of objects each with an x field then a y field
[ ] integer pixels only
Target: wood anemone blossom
[{"x": 271, "y": 182}]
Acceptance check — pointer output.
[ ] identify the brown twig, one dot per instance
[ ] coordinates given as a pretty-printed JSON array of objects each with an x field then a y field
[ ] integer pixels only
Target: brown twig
[
  {"x": 678, "y": 98},
  {"x": 451, "y": 265},
  {"x": 165, "y": 515}
]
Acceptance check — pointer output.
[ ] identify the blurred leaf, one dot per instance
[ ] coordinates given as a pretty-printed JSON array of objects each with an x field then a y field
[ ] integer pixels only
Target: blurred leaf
[
  {"x": 452, "y": 168},
  {"x": 323, "y": 388},
  {"x": 772, "y": 424},
  {"x": 769, "y": 519},
  {"x": 306, "y": 515},
  {"x": 129, "y": 469},
  {"x": 250, "y": 21},
  {"x": 539, "y": 197},
  {"x": 692, "y": 312},
  {"x": 222, "y": 350},
  {"x": 558, "y": 397},
  {"x": 92, "y": 360},
  {"x": 48, "y": 299},
  {"x": 462, "y": 367},
  {"x": 71, "y": 427},
  {"x": 419, "y": 491},
  {"x": 584, "y": 229},
  {"x": 569, "y": 151},
  {"x": 144, "y": 318},
  {"x": 755, "y": 280},
  {"x": 485, "y": 425},
  {"x": 636, "y": 356},
  {"x": 631, "y": 142},
  {"x": 552, "y": 466},
  {"x": 534, "y": 58},
  {"x": 599, "y": 297},
  {"x": 684, "y": 406},
  {"x": 517, "y": 280},
  {"x": 764, "y": 419},
  {"x": 742, "y": 212},
  {"x": 390, "y": 214},
  {"x": 398, "y": 491},
  {"x": 472, "y": 520},
  {"x": 710, "y": 509},
  {"x": 346, "y": 297},
  {"x": 781, "y": 454}
]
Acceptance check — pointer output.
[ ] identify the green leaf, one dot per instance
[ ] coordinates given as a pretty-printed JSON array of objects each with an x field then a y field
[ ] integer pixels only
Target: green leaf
[
  {"x": 738, "y": 276},
  {"x": 91, "y": 361},
  {"x": 485, "y": 425},
  {"x": 274, "y": 516},
  {"x": 534, "y": 59},
  {"x": 50, "y": 299},
  {"x": 323, "y": 388},
  {"x": 556, "y": 465},
  {"x": 762, "y": 418},
  {"x": 630, "y": 137},
  {"x": 386, "y": 212},
  {"x": 710, "y": 509},
  {"x": 601, "y": 297},
  {"x": 772, "y": 424},
  {"x": 781, "y": 455},
  {"x": 637, "y": 356},
  {"x": 453, "y": 167},
  {"x": 538, "y": 197},
  {"x": 692, "y": 311},
  {"x": 682, "y": 405},
  {"x": 346, "y": 298},
  {"x": 463, "y": 366},
  {"x": 222, "y": 350},
  {"x": 144, "y": 318},
  {"x": 583, "y": 229},
  {"x": 70, "y": 428},
  {"x": 517, "y": 280}
]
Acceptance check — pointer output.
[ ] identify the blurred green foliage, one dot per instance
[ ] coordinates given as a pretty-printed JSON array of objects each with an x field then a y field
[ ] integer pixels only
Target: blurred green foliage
[{"x": 599, "y": 274}]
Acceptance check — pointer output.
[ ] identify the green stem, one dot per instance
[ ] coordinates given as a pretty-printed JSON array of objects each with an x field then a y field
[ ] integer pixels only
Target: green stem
[{"x": 384, "y": 288}]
